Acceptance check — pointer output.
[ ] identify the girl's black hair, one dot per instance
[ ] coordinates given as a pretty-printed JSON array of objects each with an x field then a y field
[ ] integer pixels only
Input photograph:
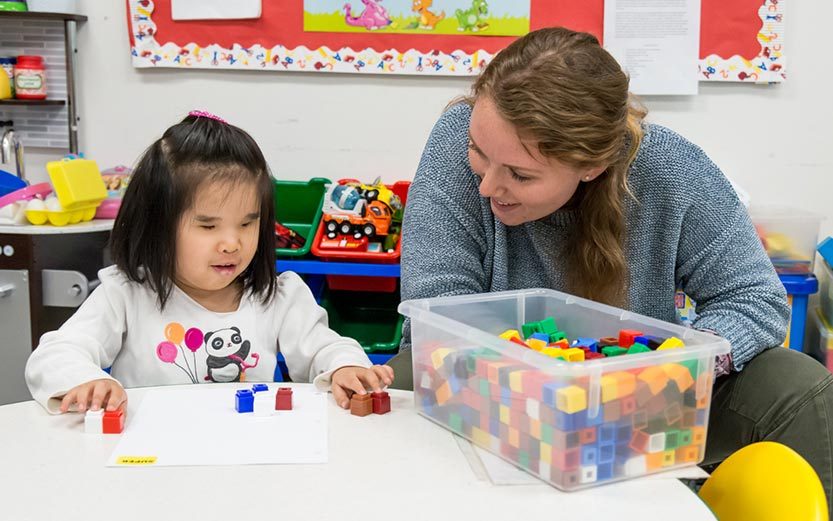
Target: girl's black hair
[{"x": 162, "y": 188}]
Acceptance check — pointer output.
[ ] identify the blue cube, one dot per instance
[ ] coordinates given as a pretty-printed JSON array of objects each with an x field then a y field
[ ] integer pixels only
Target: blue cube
[
  {"x": 506, "y": 396},
  {"x": 825, "y": 249},
  {"x": 470, "y": 416},
  {"x": 589, "y": 343},
  {"x": 541, "y": 336},
  {"x": 604, "y": 471},
  {"x": 244, "y": 401},
  {"x": 623, "y": 431},
  {"x": 548, "y": 393},
  {"x": 494, "y": 426},
  {"x": 607, "y": 433},
  {"x": 594, "y": 421},
  {"x": 607, "y": 453},
  {"x": 589, "y": 455},
  {"x": 570, "y": 422}
]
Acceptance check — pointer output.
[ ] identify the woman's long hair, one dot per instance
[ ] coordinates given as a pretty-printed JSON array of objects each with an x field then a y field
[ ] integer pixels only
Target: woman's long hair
[{"x": 562, "y": 90}]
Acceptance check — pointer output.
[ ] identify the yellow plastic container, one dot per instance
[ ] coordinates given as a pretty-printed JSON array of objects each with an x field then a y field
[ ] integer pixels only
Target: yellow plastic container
[
  {"x": 79, "y": 188},
  {"x": 5, "y": 85}
]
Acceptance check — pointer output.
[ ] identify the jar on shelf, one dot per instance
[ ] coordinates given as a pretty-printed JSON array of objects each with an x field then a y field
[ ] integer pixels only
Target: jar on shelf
[
  {"x": 8, "y": 63},
  {"x": 30, "y": 78}
]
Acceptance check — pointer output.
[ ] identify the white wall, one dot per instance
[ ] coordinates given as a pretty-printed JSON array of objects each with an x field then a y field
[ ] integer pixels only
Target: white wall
[{"x": 775, "y": 141}]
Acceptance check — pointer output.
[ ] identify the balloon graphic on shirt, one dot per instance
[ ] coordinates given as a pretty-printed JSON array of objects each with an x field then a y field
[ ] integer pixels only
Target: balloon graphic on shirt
[
  {"x": 193, "y": 339},
  {"x": 166, "y": 352},
  {"x": 174, "y": 332}
]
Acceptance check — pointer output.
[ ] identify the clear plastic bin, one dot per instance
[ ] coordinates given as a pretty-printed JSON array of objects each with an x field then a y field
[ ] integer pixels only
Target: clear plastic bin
[
  {"x": 820, "y": 339},
  {"x": 826, "y": 291},
  {"x": 571, "y": 424},
  {"x": 789, "y": 236}
]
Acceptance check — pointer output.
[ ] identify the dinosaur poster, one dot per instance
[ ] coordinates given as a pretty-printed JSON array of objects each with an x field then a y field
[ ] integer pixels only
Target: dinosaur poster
[
  {"x": 741, "y": 40},
  {"x": 472, "y": 17}
]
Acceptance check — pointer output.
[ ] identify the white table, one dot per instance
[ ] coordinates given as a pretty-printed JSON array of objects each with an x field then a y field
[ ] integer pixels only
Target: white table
[
  {"x": 398, "y": 466},
  {"x": 96, "y": 225}
]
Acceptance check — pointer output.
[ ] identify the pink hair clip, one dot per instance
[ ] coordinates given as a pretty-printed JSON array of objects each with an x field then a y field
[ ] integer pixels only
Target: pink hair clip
[{"x": 204, "y": 114}]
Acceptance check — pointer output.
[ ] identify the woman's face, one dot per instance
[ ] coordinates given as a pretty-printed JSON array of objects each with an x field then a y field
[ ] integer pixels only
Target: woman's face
[{"x": 520, "y": 183}]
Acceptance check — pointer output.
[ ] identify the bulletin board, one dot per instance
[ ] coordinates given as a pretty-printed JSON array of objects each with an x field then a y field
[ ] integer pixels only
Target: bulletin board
[{"x": 740, "y": 41}]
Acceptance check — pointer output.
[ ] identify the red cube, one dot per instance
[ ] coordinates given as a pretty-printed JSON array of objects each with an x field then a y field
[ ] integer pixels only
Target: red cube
[
  {"x": 518, "y": 341},
  {"x": 113, "y": 422},
  {"x": 283, "y": 399},
  {"x": 381, "y": 402},
  {"x": 627, "y": 337}
]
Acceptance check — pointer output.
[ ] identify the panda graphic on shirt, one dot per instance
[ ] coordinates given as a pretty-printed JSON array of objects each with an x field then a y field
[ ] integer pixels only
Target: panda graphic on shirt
[{"x": 227, "y": 354}]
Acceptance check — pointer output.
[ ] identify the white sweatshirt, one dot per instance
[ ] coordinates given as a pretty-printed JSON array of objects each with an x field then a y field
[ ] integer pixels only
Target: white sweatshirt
[{"x": 120, "y": 326}]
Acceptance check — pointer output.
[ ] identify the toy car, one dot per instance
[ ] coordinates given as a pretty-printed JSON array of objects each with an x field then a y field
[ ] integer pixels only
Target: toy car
[
  {"x": 360, "y": 210},
  {"x": 287, "y": 238},
  {"x": 366, "y": 220},
  {"x": 378, "y": 191}
]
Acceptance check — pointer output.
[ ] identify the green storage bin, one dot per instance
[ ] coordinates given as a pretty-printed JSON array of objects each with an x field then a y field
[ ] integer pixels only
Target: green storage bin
[
  {"x": 298, "y": 207},
  {"x": 371, "y": 318}
]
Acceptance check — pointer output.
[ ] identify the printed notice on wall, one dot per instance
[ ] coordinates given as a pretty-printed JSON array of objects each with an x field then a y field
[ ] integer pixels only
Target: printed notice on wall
[
  {"x": 657, "y": 42},
  {"x": 215, "y": 9}
]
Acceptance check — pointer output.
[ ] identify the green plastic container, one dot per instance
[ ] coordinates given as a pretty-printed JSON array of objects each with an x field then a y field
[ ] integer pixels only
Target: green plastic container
[
  {"x": 371, "y": 318},
  {"x": 298, "y": 207}
]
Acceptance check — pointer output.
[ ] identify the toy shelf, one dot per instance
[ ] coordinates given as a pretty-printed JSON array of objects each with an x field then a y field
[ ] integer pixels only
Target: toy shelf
[
  {"x": 316, "y": 271},
  {"x": 37, "y": 15},
  {"x": 313, "y": 267},
  {"x": 45, "y": 45},
  {"x": 40, "y": 102}
]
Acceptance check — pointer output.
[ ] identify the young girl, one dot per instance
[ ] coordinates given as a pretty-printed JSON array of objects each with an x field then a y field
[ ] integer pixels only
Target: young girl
[
  {"x": 548, "y": 176},
  {"x": 193, "y": 296}
]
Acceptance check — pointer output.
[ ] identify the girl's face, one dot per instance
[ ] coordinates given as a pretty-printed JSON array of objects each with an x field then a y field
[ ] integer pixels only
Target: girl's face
[
  {"x": 217, "y": 238},
  {"x": 520, "y": 183}
]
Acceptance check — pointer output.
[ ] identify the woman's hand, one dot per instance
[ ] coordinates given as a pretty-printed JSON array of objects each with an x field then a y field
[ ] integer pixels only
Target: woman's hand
[
  {"x": 352, "y": 379},
  {"x": 96, "y": 394}
]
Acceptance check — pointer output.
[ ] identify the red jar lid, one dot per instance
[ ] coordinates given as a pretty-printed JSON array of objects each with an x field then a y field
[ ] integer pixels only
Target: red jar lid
[{"x": 29, "y": 61}]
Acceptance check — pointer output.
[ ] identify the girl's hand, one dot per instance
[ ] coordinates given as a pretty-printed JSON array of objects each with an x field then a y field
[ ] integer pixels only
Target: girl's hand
[
  {"x": 94, "y": 395},
  {"x": 351, "y": 379}
]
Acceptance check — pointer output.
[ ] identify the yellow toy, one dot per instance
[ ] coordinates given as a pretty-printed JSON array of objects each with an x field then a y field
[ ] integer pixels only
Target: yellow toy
[
  {"x": 377, "y": 191},
  {"x": 79, "y": 189},
  {"x": 765, "y": 481},
  {"x": 5, "y": 86}
]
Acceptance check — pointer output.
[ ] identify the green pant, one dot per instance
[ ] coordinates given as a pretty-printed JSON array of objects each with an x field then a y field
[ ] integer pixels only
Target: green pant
[{"x": 781, "y": 395}]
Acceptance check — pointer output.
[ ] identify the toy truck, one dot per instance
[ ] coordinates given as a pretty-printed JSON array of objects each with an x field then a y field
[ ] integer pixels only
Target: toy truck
[{"x": 360, "y": 210}]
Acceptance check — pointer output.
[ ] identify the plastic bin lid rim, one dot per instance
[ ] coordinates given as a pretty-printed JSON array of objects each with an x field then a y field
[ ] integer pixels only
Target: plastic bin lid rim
[{"x": 420, "y": 310}]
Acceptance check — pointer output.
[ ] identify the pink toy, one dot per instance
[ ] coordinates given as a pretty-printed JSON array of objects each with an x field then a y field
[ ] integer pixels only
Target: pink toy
[
  {"x": 24, "y": 194},
  {"x": 108, "y": 209},
  {"x": 373, "y": 17}
]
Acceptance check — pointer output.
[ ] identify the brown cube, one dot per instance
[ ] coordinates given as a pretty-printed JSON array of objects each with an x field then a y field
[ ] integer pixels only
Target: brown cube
[{"x": 361, "y": 404}]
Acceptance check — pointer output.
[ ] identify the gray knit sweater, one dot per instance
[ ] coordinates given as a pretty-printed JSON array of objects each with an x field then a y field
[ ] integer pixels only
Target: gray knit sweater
[{"x": 687, "y": 229}]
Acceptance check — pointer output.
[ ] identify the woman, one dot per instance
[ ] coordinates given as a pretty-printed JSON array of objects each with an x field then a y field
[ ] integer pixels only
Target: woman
[{"x": 547, "y": 176}]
